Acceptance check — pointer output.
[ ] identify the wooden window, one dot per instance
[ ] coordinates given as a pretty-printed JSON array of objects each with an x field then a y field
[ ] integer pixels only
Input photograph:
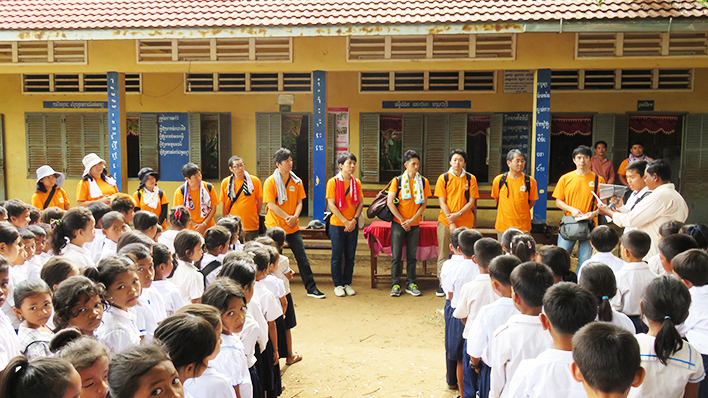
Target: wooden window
[
  {"x": 640, "y": 44},
  {"x": 481, "y": 46},
  {"x": 76, "y": 83},
  {"x": 622, "y": 79},
  {"x": 42, "y": 52},
  {"x": 428, "y": 81},
  {"x": 215, "y": 50},
  {"x": 248, "y": 82}
]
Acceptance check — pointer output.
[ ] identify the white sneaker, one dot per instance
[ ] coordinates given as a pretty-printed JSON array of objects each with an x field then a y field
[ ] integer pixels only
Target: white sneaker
[
  {"x": 349, "y": 290},
  {"x": 339, "y": 291}
]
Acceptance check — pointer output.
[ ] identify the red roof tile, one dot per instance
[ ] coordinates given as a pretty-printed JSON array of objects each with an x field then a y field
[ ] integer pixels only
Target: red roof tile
[{"x": 117, "y": 14}]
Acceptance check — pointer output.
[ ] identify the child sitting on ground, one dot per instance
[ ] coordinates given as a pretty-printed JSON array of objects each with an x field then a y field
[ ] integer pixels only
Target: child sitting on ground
[
  {"x": 98, "y": 210},
  {"x": 88, "y": 357},
  {"x": 78, "y": 302},
  {"x": 10, "y": 346},
  {"x": 112, "y": 226},
  {"x": 672, "y": 246},
  {"x": 142, "y": 371},
  {"x": 604, "y": 240},
  {"x": 33, "y": 305},
  {"x": 600, "y": 281},
  {"x": 29, "y": 266},
  {"x": 146, "y": 222}
]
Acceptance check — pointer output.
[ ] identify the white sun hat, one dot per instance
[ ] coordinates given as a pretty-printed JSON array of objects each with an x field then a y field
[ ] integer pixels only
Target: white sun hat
[
  {"x": 46, "y": 171},
  {"x": 91, "y": 160}
]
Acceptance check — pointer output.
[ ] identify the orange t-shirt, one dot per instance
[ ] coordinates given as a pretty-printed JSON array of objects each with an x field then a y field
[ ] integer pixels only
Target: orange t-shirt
[
  {"x": 295, "y": 192},
  {"x": 59, "y": 200},
  {"x": 196, "y": 214},
  {"x": 454, "y": 196},
  {"x": 143, "y": 206},
  {"x": 623, "y": 167},
  {"x": 576, "y": 191},
  {"x": 82, "y": 190},
  {"x": 407, "y": 207},
  {"x": 245, "y": 206},
  {"x": 350, "y": 211},
  {"x": 514, "y": 210}
]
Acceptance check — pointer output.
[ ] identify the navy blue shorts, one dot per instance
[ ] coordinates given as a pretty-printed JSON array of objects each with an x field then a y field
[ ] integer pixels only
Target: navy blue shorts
[
  {"x": 703, "y": 386},
  {"x": 453, "y": 335},
  {"x": 483, "y": 383}
]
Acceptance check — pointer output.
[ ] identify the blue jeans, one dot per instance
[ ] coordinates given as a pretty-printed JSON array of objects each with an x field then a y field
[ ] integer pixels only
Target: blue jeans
[
  {"x": 584, "y": 248},
  {"x": 343, "y": 244}
]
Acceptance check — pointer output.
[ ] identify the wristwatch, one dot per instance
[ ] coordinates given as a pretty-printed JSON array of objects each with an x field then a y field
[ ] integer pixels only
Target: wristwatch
[
  {"x": 356, "y": 218},
  {"x": 459, "y": 213}
]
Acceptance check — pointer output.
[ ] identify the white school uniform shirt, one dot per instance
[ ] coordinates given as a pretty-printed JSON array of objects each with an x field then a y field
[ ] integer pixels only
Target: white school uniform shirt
[
  {"x": 447, "y": 272},
  {"x": 9, "y": 343},
  {"x": 695, "y": 327},
  {"x": 206, "y": 260},
  {"x": 622, "y": 321},
  {"x": 489, "y": 319},
  {"x": 189, "y": 281},
  {"x": 44, "y": 256},
  {"x": 249, "y": 337},
  {"x": 608, "y": 259},
  {"x": 171, "y": 295},
  {"x": 9, "y": 303},
  {"x": 466, "y": 271},
  {"x": 118, "y": 329},
  {"x": 269, "y": 304},
  {"x": 283, "y": 267},
  {"x": 655, "y": 265},
  {"x": 667, "y": 381},
  {"x": 21, "y": 272},
  {"x": 109, "y": 247},
  {"x": 521, "y": 337},
  {"x": 256, "y": 312},
  {"x": 34, "y": 267},
  {"x": 546, "y": 376},
  {"x": 167, "y": 238},
  {"x": 96, "y": 245},
  {"x": 79, "y": 256},
  {"x": 211, "y": 384},
  {"x": 232, "y": 363},
  {"x": 34, "y": 343},
  {"x": 275, "y": 286},
  {"x": 632, "y": 280},
  {"x": 150, "y": 311},
  {"x": 475, "y": 295}
]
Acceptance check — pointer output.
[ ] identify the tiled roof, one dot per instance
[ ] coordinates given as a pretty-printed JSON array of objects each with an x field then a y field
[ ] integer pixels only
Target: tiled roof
[{"x": 122, "y": 14}]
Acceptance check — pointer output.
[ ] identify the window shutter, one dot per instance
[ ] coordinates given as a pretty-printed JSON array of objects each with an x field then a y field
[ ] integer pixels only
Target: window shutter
[
  {"x": 413, "y": 133},
  {"x": 435, "y": 143},
  {"x": 369, "y": 146},
  {"x": 74, "y": 133},
  {"x": 603, "y": 128},
  {"x": 695, "y": 165},
  {"x": 495, "y": 144},
  {"x": 458, "y": 132},
  {"x": 195, "y": 138},
  {"x": 224, "y": 144},
  {"x": 3, "y": 195},
  {"x": 269, "y": 136},
  {"x": 35, "y": 126},
  {"x": 330, "y": 154},
  {"x": 94, "y": 135},
  {"x": 621, "y": 149},
  {"x": 149, "y": 141}
]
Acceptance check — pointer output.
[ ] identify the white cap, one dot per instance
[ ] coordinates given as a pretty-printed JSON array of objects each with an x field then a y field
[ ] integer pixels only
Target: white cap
[
  {"x": 46, "y": 171},
  {"x": 91, "y": 160}
]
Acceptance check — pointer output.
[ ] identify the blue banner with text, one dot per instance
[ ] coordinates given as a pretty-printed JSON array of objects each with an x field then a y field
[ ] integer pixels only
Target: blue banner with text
[
  {"x": 174, "y": 145},
  {"x": 542, "y": 137}
]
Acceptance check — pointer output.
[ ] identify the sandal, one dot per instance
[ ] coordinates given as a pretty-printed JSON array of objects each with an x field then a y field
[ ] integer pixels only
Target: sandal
[{"x": 295, "y": 359}]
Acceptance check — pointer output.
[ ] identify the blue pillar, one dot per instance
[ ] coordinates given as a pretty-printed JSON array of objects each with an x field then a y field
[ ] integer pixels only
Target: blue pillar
[
  {"x": 117, "y": 158},
  {"x": 541, "y": 139},
  {"x": 319, "y": 142}
]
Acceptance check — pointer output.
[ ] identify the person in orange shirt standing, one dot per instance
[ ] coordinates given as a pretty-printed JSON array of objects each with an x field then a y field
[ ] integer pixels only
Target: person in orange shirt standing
[
  {"x": 49, "y": 192},
  {"x": 283, "y": 193},
  {"x": 636, "y": 152},
  {"x": 457, "y": 192},
  {"x": 407, "y": 204},
  {"x": 95, "y": 185},
  {"x": 515, "y": 193},
  {"x": 346, "y": 201},
  {"x": 149, "y": 197},
  {"x": 198, "y": 197},
  {"x": 242, "y": 195}
]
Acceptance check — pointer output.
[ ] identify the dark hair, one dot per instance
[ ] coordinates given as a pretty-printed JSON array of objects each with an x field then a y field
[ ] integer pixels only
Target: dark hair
[
  {"x": 523, "y": 247},
  {"x": 73, "y": 220},
  {"x": 98, "y": 209},
  {"x": 208, "y": 312},
  {"x": 508, "y": 236},
  {"x": 266, "y": 241},
  {"x": 282, "y": 155},
  {"x": 234, "y": 159},
  {"x": 144, "y": 220},
  {"x": 189, "y": 169},
  {"x": 56, "y": 270},
  {"x": 160, "y": 254},
  {"x": 15, "y": 208},
  {"x": 485, "y": 250},
  {"x": 110, "y": 218},
  {"x": 673, "y": 245},
  {"x": 343, "y": 157},
  {"x": 4, "y": 264},
  {"x": 26, "y": 234},
  {"x": 38, "y": 230},
  {"x": 600, "y": 142},
  {"x": 8, "y": 233},
  {"x": 278, "y": 235},
  {"x": 510, "y": 155},
  {"x": 216, "y": 236},
  {"x": 639, "y": 166},
  {"x": 637, "y": 242},
  {"x": 410, "y": 154},
  {"x": 52, "y": 213},
  {"x": 232, "y": 223},
  {"x": 501, "y": 267},
  {"x": 129, "y": 237},
  {"x": 604, "y": 239},
  {"x": 2, "y": 210},
  {"x": 122, "y": 202},
  {"x": 636, "y": 143},
  {"x": 39, "y": 378},
  {"x": 699, "y": 232},
  {"x": 692, "y": 265},
  {"x": 468, "y": 238},
  {"x": 569, "y": 307},
  {"x": 185, "y": 242},
  {"x": 136, "y": 252},
  {"x": 530, "y": 280},
  {"x": 666, "y": 301},
  {"x": 220, "y": 292},
  {"x": 455, "y": 237},
  {"x": 179, "y": 216},
  {"x": 82, "y": 352},
  {"x": 460, "y": 152},
  {"x": 661, "y": 168},
  {"x": 670, "y": 228},
  {"x": 261, "y": 257},
  {"x": 34, "y": 214},
  {"x": 188, "y": 338},
  {"x": 240, "y": 268},
  {"x": 600, "y": 280},
  {"x": 607, "y": 356},
  {"x": 28, "y": 288},
  {"x": 111, "y": 266},
  {"x": 75, "y": 290},
  {"x": 128, "y": 366},
  {"x": 559, "y": 260},
  {"x": 582, "y": 150}
]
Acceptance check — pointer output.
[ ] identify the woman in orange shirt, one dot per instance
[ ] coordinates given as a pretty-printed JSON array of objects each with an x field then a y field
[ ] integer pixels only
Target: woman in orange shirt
[
  {"x": 49, "y": 192},
  {"x": 95, "y": 185},
  {"x": 149, "y": 197}
]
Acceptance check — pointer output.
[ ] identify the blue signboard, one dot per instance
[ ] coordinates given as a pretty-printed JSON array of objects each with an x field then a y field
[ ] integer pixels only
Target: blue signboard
[
  {"x": 542, "y": 137},
  {"x": 319, "y": 142},
  {"x": 174, "y": 145},
  {"x": 114, "y": 129},
  {"x": 75, "y": 104},
  {"x": 515, "y": 134},
  {"x": 426, "y": 104}
]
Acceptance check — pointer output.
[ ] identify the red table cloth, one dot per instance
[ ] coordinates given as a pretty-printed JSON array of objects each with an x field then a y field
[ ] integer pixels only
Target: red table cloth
[{"x": 381, "y": 232}]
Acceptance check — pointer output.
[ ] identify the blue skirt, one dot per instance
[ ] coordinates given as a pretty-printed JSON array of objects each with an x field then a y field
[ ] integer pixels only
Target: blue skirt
[
  {"x": 483, "y": 384},
  {"x": 453, "y": 335}
]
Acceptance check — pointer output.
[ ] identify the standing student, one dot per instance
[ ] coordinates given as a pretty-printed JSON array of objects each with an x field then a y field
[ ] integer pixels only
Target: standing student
[
  {"x": 216, "y": 243},
  {"x": 242, "y": 195},
  {"x": 171, "y": 294},
  {"x": 346, "y": 202},
  {"x": 672, "y": 246},
  {"x": 188, "y": 251},
  {"x": 600, "y": 165},
  {"x": 604, "y": 240},
  {"x": 524, "y": 247},
  {"x": 199, "y": 197},
  {"x": 78, "y": 302},
  {"x": 78, "y": 227},
  {"x": 98, "y": 210},
  {"x": 600, "y": 281},
  {"x": 447, "y": 273},
  {"x": 457, "y": 193},
  {"x": 558, "y": 260},
  {"x": 149, "y": 197},
  {"x": 95, "y": 185},
  {"x": 636, "y": 154},
  {"x": 88, "y": 357},
  {"x": 407, "y": 199},
  {"x": 49, "y": 191},
  {"x": 515, "y": 194},
  {"x": 150, "y": 309},
  {"x": 33, "y": 305},
  {"x": 283, "y": 193},
  {"x": 179, "y": 219}
]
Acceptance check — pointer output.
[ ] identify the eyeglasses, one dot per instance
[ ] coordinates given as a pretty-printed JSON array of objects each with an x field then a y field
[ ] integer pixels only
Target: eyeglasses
[
  {"x": 518, "y": 161},
  {"x": 238, "y": 166}
]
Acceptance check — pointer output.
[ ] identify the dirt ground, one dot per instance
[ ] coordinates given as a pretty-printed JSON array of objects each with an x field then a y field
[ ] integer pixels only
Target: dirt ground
[{"x": 367, "y": 345}]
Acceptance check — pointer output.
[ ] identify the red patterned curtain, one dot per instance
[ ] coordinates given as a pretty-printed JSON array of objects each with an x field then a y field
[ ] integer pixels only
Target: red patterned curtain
[
  {"x": 477, "y": 125},
  {"x": 571, "y": 125},
  {"x": 653, "y": 124}
]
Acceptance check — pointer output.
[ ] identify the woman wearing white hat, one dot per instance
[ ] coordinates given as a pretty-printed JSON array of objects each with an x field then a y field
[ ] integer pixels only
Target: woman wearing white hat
[
  {"x": 49, "y": 192},
  {"x": 95, "y": 185}
]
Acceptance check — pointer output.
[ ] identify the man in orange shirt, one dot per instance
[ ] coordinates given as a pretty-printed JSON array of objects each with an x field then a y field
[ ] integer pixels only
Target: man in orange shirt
[
  {"x": 198, "y": 197},
  {"x": 411, "y": 199},
  {"x": 283, "y": 193},
  {"x": 514, "y": 196},
  {"x": 242, "y": 195},
  {"x": 457, "y": 192},
  {"x": 636, "y": 152}
]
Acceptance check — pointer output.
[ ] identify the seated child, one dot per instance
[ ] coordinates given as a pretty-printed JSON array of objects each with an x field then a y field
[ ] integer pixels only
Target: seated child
[
  {"x": 171, "y": 295},
  {"x": 558, "y": 259},
  {"x": 88, "y": 357},
  {"x": 600, "y": 281},
  {"x": 125, "y": 205},
  {"x": 672, "y": 246},
  {"x": 606, "y": 360},
  {"x": 18, "y": 213},
  {"x": 566, "y": 308},
  {"x": 112, "y": 226},
  {"x": 522, "y": 336},
  {"x": 665, "y": 230},
  {"x": 13, "y": 250},
  {"x": 233, "y": 224},
  {"x": 216, "y": 242},
  {"x": 42, "y": 377},
  {"x": 603, "y": 239},
  {"x": 57, "y": 270},
  {"x": 33, "y": 305},
  {"x": 40, "y": 254},
  {"x": 30, "y": 266}
]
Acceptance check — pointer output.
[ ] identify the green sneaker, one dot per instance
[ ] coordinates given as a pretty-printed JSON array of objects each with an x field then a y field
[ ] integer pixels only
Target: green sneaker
[
  {"x": 396, "y": 291},
  {"x": 413, "y": 290}
]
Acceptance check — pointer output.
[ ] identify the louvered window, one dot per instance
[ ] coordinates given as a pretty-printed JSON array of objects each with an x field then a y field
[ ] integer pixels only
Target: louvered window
[
  {"x": 641, "y": 44},
  {"x": 622, "y": 79},
  {"x": 481, "y": 46},
  {"x": 565, "y": 80},
  {"x": 374, "y": 81},
  {"x": 432, "y": 81},
  {"x": 409, "y": 81},
  {"x": 76, "y": 83},
  {"x": 248, "y": 82},
  {"x": 42, "y": 52},
  {"x": 215, "y": 49}
]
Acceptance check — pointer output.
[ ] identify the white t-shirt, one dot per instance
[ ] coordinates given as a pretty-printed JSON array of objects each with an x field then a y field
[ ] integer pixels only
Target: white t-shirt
[
  {"x": 34, "y": 267},
  {"x": 118, "y": 329},
  {"x": 489, "y": 319},
  {"x": 109, "y": 247},
  {"x": 96, "y": 245},
  {"x": 10, "y": 346},
  {"x": 608, "y": 259},
  {"x": 448, "y": 271},
  {"x": 276, "y": 286},
  {"x": 167, "y": 238},
  {"x": 232, "y": 363},
  {"x": 189, "y": 281},
  {"x": 465, "y": 272},
  {"x": 695, "y": 327},
  {"x": 546, "y": 376},
  {"x": 79, "y": 256},
  {"x": 475, "y": 295},
  {"x": 269, "y": 304},
  {"x": 211, "y": 384},
  {"x": 171, "y": 295},
  {"x": 632, "y": 280}
]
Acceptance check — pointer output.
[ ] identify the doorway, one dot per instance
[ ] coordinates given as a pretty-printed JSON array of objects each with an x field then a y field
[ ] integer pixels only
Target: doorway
[
  {"x": 296, "y": 137},
  {"x": 661, "y": 137}
]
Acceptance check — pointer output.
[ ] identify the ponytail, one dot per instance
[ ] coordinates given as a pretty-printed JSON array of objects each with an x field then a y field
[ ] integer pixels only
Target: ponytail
[
  {"x": 666, "y": 301},
  {"x": 570, "y": 276},
  {"x": 72, "y": 221},
  {"x": 523, "y": 247},
  {"x": 42, "y": 378},
  {"x": 600, "y": 280}
]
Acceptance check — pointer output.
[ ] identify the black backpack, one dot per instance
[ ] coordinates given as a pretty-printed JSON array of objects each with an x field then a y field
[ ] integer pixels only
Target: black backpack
[
  {"x": 446, "y": 176},
  {"x": 208, "y": 269}
]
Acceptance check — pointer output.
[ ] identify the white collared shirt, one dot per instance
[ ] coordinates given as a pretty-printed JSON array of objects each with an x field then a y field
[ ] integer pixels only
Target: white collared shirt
[
  {"x": 546, "y": 376},
  {"x": 13, "y": 277},
  {"x": 622, "y": 321},
  {"x": 167, "y": 238},
  {"x": 521, "y": 337},
  {"x": 118, "y": 329},
  {"x": 261, "y": 332},
  {"x": 447, "y": 272},
  {"x": 608, "y": 259},
  {"x": 269, "y": 304},
  {"x": 232, "y": 363},
  {"x": 79, "y": 256},
  {"x": 150, "y": 312},
  {"x": 655, "y": 265},
  {"x": 695, "y": 327},
  {"x": 96, "y": 245},
  {"x": 475, "y": 295},
  {"x": 632, "y": 280},
  {"x": 249, "y": 336},
  {"x": 489, "y": 319},
  {"x": 465, "y": 272},
  {"x": 109, "y": 247},
  {"x": 171, "y": 295},
  {"x": 208, "y": 259},
  {"x": 10, "y": 346},
  {"x": 283, "y": 267},
  {"x": 211, "y": 384},
  {"x": 189, "y": 281}
]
